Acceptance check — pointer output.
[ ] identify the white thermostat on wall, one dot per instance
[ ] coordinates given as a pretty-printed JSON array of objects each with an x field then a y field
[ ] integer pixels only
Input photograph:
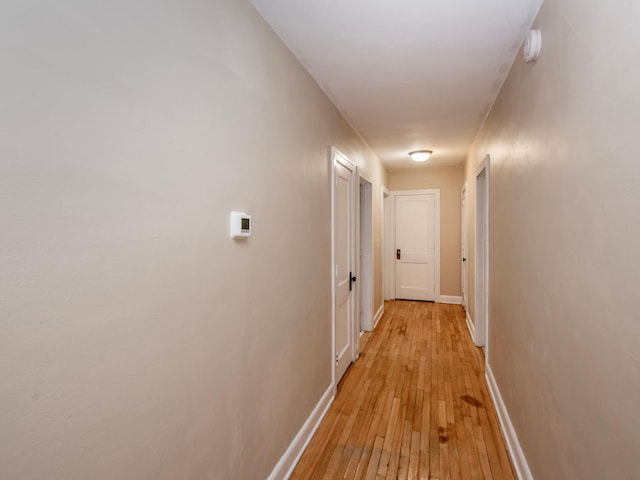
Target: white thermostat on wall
[{"x": 240, "y": 225}]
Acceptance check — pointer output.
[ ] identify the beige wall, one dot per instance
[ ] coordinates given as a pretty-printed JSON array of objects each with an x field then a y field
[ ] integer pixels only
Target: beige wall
[
  {"x": 137, "y": 340},
  {"x": 564, "y": 332},
  {"x": 449, "y": 180}
]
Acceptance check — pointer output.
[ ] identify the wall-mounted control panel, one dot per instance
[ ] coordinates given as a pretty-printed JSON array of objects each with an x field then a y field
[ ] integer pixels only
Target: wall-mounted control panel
[{"x": 240, "y": 225}]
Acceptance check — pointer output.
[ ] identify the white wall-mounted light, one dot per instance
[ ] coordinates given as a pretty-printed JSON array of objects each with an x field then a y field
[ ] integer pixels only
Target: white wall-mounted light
[
  {"x": 532, "y": 46},
  {"x": 420, "y": 155}
]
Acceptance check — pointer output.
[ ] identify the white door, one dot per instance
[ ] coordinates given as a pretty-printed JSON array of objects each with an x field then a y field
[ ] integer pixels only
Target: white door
[
  {"x": 344, "y": 266},
  {"x": 415, "y": 246},
  {"x": 463, "y": 243}
]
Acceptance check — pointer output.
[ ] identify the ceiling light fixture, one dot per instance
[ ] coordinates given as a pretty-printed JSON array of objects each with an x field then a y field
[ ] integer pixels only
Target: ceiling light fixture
[{"x": 420, "y": 155}]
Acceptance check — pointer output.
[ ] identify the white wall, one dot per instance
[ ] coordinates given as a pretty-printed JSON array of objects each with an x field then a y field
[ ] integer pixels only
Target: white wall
[
  {"x": 137, "y": 340},
  {"x": 564, "y": 334}
]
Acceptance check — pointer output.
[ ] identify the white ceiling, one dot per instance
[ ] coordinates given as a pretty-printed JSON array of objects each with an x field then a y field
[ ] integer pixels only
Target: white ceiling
[{"x": 407, "y": 74}]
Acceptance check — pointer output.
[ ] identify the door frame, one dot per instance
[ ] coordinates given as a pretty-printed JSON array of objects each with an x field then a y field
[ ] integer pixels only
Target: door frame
[
  {"x": 481, "y": 260},
  {"x": 390, "y": 233},
  {"x": 336, "y": 155},
  {"x": 364, "y": 258}
]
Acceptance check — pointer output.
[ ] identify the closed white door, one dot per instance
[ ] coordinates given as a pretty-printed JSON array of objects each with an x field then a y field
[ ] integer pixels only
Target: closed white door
[
  {"x": 463, "y": 244},
  {"x": 415, "y": 246},
  {"x": 344, "y": 246}
]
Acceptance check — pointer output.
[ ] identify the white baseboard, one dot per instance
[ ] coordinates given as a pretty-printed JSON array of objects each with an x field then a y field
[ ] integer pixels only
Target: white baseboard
[
  {"x": 513, "y": 445},
  {"x": 289, "y": 460},
  {"x": 453, "y": 299},
  {"x": 472, "y": 328},
  {"x": 378, "y": 316}
]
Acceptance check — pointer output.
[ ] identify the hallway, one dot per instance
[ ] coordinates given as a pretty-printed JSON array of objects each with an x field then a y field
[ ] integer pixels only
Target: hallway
[{"x": 414, "y": 405}]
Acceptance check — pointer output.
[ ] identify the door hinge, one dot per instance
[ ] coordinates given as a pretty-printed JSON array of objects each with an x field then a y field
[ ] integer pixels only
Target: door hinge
[{"x": 336, "y": 358}]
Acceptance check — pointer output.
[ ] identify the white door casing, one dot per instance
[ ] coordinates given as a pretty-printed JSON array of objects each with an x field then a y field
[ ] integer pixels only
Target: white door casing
[
  {"x": 416, "y": 236},
  {"x": 343, "y": 195}
]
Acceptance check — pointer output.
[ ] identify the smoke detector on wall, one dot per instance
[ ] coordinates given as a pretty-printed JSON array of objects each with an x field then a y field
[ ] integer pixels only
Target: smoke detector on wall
[{"x": 532, "y": 46}]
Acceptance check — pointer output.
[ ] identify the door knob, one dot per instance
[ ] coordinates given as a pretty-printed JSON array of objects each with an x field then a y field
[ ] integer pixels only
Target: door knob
[{"x": 352, "y": 279}]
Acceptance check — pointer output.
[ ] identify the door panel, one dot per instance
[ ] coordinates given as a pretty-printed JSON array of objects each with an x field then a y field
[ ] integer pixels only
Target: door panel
[
  {"x": 463, "y": 245},
  {"x": 415, "y": 238},
  {"x": 343, "y": 251}
]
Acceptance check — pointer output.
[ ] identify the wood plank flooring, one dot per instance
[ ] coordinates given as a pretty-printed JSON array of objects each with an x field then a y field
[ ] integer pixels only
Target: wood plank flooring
[{"x": 415, "y": 405}]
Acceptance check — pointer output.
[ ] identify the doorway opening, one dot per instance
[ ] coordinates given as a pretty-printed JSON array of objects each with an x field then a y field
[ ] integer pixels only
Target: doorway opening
[
  {"x": 481, "y": 284},
  {"x": 388, "y": 260},
  {"x": 365, "y": 257}
]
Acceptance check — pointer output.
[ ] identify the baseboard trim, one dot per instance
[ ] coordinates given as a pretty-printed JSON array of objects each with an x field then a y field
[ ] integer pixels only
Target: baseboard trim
[
  {"x": 452, "y": 299},
  {"x": 513, "y": 444},
  {"x": 378, "y": 316},
  {"x": 286, "y": 464},
  {"x": 472, "y": 328}
]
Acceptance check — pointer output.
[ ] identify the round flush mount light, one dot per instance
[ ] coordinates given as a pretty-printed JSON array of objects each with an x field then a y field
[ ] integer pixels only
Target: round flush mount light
[
  {"x": 532, "y": 46},
  {"x": 420, "y": 155}
]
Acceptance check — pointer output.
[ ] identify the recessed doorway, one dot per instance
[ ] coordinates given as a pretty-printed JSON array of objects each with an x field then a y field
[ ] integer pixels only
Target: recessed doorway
[{"x": 481, "y": 283}]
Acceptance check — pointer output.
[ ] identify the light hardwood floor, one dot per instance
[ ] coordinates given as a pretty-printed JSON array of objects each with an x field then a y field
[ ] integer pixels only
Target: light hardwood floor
[{"x": 415, "y": 405}]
